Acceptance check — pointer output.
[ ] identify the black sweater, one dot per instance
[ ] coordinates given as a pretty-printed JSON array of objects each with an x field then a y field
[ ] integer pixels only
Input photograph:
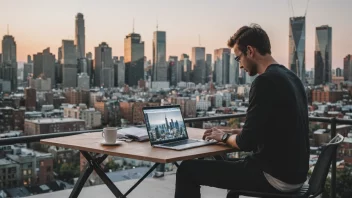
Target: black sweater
[{"x": 276, "y": 127}]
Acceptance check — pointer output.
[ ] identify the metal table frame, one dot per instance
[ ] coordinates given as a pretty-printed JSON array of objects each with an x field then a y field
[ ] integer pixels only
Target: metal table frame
[{"x": 94, "y": 164}]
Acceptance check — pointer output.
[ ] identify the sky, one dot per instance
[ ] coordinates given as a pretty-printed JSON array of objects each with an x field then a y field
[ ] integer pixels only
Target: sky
[{"x": 38, "y": 24}]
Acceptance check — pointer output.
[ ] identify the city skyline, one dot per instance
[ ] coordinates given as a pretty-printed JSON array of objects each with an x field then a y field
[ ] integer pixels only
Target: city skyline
[{"x": 31, "y": 38}]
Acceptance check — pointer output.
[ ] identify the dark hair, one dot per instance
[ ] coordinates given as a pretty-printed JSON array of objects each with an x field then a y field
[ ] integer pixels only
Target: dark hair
[{"x": 252, "y": 35}]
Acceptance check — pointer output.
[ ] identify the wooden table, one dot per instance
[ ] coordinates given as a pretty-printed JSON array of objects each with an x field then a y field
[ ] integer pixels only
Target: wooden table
[{"x": 90, "y": 142}]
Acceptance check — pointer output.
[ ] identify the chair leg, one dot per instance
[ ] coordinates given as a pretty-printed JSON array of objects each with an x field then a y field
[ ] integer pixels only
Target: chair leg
[{"x": 232, "y": 195}]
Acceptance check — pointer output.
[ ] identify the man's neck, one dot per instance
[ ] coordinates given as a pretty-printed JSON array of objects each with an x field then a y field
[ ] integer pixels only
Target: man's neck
[{"x": 265, "y": 62}]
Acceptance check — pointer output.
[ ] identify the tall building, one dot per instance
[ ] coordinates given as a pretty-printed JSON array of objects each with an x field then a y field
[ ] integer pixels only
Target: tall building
[
  {"x": 8, "y": 71},
  {"x": 90, "y": 69},
  {"x": 29, "y": 58},
  {"x": 134, "y": 59},
  {"x": 83, "y": 79},
  {"x": 209, "y": 69},
  {"x": 27, "y": 70},
  {"x": 174, "y": 72},
  {"x": 198, "y": 65},
  {"x": 69, "y": 64},
  {"x": 44, "y": 66},
  {"x": 104, "y": 67},
  {"x": 297, "y": 46},
  {"x": 80, "y": 37},
  {"x": 233, "y": 71},
  {"x": 338, "y": 72},
  {"x": 347, "y": 68},
  {"x": 323, "y": 55},
  {"x": 222, "y": 65},
  {"x": 119, "y": 66},
  {"x": 186, "y": 64},
  {"x": 159, "y": 56}
]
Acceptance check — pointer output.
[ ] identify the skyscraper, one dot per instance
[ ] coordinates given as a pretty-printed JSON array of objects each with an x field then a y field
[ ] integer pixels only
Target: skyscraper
[
  {"x": 222, "y": 65},
  {"x": 209, "y": 69},
  {"x": 44, "y": 66},
  {"x": 186, "y": 64},
  {"x": 347, "y": 68},
  {"x": 104, "y": 67},
  {"x": 198, "y": 65},
  {"x": 159, "y": 56},
  {"x": 322, "y": 55},
  {"x": 119, "y": 72},
  {"x": 80, "y": 37},
  {"x": 297, "y": 46},
  {"x": 69, "y": 64},
  {"x": 83, "y": 80},
  {"x": 134, "y": 59},
  {"x": 173, "y": 70},
  {"x": 27, "y": 71},
  {"x": 233, "y": 71},
  {"x": 338, "y": 72},
  {"x": 90, "y": 64},
  {"x": 29, "y": 58},
  {"x": 9, "y": 61}
]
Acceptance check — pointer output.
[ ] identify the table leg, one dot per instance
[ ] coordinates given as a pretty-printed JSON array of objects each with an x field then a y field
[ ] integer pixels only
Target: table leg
[
  {"x": 83, "y": 178},
  {"x": 95, "y": 165},
  {"x": 176, "y": 164},
  {"x": 141, "y": 179}
]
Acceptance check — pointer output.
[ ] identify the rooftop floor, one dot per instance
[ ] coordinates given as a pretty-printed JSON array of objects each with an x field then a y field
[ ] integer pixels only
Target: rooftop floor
[{"x": 149, "y": 188}]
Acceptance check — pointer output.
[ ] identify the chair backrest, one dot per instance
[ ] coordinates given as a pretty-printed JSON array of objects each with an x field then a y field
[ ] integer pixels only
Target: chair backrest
[{"x": 321, "y": 169}]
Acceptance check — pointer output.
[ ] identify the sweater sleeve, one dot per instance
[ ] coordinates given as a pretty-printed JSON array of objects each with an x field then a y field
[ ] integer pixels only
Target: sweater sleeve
[{"x": 257, "y": 118}]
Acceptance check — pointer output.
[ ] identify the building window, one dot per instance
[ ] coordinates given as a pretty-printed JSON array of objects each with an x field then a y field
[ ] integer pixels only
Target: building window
[
  {"x": 48, "y": 169},
  {"x": 24, "y": 172},
  {"x": 41, "y": 163},
  {"x": 29, "y": 172}
]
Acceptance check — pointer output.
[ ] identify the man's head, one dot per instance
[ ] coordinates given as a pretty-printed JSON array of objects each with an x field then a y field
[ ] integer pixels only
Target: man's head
[{"x": 250, "y": 44}]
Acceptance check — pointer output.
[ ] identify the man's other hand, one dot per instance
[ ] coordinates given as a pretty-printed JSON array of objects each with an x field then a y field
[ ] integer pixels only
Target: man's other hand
[{"x": 213, "y": 134}]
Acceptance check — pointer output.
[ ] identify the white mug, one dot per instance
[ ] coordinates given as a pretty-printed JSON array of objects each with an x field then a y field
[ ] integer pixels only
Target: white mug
[{"x": 110, "y": 134}]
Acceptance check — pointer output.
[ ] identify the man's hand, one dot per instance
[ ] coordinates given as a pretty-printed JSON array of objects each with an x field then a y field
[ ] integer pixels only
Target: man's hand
[{"x": 213, "y": 134}]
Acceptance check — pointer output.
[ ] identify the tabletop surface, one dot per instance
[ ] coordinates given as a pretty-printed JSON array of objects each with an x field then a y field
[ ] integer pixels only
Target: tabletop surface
[{"x": 91, "y": 142}]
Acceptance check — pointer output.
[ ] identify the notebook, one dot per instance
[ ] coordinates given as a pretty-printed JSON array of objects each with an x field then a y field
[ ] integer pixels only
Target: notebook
[{"x": 135, "y": 133}]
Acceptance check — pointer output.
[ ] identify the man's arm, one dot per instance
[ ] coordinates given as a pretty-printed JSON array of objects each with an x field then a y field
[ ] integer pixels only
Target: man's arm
[
  {"x": 234, "y": 131},
  {"x": 232, "y": 141},
  {"x": 261, "y": 99}
]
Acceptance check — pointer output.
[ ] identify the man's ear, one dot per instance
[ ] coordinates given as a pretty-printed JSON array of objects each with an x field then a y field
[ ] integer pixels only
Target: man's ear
[{"x": 250, "y": 51}]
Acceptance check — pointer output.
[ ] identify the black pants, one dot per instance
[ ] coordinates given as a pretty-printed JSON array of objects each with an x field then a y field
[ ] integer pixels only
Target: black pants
[{"x": 237, "y": 175}]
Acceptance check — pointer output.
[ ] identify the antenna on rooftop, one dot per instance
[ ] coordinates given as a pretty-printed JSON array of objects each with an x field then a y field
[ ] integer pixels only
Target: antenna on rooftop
[
  {"x": 199, "y": 40},
  {"x": 305, "y": 13},
  {"x": 157, "y": 23},
  {"x": 133, "y": 26},
  {"x": 291, "y": 5}
]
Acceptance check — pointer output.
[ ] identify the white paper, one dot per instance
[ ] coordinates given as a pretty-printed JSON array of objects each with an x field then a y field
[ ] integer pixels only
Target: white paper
[{"x": 140, "y": 134}]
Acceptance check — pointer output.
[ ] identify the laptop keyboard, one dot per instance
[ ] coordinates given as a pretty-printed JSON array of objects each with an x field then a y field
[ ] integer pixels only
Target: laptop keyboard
[{"x": 181, "y": 142}]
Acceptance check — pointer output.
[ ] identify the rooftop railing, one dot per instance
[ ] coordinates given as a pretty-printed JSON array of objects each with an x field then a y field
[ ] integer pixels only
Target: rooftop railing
[{"x": 333, "y": 121}]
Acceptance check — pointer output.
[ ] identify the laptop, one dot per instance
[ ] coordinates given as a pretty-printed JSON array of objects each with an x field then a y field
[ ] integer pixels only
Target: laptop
[{"x": 166, "y": 128}]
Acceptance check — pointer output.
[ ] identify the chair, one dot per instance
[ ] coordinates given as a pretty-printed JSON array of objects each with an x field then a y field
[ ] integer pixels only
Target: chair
[{"x": 316, "y": 182}]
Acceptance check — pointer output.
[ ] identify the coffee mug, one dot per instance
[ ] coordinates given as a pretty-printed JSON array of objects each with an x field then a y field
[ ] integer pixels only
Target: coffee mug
[{"x": 110, "y": 134}]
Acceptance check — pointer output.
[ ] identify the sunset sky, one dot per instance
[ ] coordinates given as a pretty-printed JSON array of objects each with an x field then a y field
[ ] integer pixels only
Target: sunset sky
[{"x": 38, "y": 24}]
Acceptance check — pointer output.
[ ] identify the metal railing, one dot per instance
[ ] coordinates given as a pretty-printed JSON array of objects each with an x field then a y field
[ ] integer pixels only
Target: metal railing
[{"x": 333, "y": 121}]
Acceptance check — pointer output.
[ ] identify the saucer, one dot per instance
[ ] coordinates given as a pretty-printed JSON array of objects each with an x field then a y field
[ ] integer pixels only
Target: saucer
[{"x": 102, "y": 142}]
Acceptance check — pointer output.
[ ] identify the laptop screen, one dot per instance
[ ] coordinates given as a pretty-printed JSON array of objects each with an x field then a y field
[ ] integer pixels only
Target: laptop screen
[{"x": 165, "y": 124}]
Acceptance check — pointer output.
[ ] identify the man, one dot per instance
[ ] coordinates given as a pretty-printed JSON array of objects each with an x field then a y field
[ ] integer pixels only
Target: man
[{"x": 275, "y": 130}]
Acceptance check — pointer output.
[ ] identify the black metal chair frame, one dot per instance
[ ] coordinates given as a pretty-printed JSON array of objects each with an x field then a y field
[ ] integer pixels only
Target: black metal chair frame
[{"x": 316, "y": 182}]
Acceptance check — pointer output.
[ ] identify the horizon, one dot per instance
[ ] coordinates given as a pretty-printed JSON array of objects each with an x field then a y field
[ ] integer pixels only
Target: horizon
[{"x": 36, "y": 26}]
